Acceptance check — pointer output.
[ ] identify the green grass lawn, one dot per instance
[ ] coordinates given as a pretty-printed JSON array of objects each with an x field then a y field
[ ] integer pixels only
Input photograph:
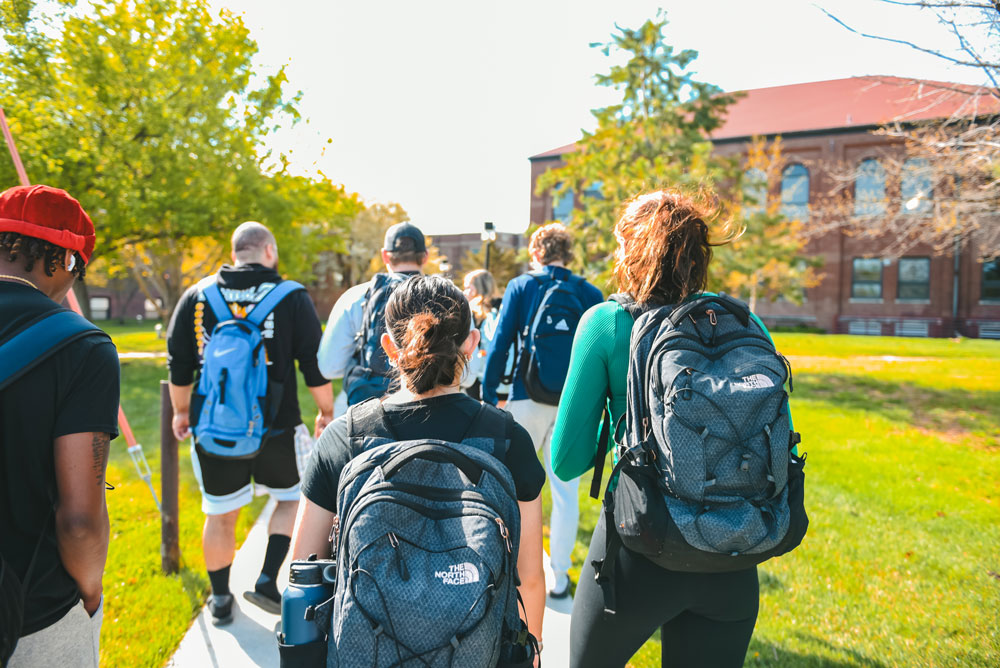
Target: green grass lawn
[
  {"x": 901, "y": 565},
  {"x": 136, "y": 337},
  {"x": 147, "y": 612}
]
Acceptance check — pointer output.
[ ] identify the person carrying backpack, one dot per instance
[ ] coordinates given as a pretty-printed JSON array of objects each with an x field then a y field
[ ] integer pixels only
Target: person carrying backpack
[
  {"x": 430, "y": 502},
  {"x": 539, "y": 317},
  {"x": 704, "y": 485},
  {"x": 350, "y": 347},
  {"x": 59, "y": 391},
  {"x": 241, "y": 331}
]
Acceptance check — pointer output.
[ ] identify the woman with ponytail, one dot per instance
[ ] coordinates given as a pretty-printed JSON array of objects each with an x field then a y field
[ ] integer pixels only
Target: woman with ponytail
[
  {"x": 704, "y": 619},
  {"x": 429, "y": 339}
]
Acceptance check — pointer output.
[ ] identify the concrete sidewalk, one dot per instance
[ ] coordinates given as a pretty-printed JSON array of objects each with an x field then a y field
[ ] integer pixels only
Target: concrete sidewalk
[{"x": 249, "y": 640}]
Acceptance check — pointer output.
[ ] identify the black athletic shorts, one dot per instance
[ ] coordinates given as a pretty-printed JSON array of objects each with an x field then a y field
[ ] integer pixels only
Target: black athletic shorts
[{"x": 228, "y": 484}]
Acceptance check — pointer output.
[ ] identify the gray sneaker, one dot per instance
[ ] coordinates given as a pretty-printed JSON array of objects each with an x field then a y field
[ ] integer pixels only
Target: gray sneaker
[{"x": 221, "y": 608}]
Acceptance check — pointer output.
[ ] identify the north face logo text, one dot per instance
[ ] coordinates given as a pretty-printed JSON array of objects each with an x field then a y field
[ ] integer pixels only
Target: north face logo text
[{"x": 458, "y": 574}]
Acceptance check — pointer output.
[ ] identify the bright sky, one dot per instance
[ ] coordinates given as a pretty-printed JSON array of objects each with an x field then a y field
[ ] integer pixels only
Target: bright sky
[{"x": 438, "y": 104}]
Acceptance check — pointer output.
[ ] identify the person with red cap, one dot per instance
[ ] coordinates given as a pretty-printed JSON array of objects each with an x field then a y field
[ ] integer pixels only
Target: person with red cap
[{"x": 59, "y": 391}]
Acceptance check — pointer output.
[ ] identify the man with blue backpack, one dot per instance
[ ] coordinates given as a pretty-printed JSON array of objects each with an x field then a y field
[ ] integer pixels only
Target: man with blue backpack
[
  {"x": 241, "y": 331},
  {"x": 539, "y": 316},
  {"x": 59, "y": 386}
]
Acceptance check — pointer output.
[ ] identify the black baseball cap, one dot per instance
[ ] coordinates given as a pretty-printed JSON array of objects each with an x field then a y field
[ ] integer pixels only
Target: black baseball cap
[{"x": 396, "y": 236}]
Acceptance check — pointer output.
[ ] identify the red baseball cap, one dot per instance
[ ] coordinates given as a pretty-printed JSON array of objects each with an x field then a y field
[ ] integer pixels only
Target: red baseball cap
[{"x": 49, "y": 214}]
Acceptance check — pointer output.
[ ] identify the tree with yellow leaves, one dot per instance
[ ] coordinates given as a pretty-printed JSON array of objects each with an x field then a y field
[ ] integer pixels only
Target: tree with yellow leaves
[{"x": 768, "y": 260}]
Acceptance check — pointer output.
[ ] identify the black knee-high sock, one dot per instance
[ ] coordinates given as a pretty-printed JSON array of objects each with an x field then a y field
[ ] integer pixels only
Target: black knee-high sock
[
  {"x": 277, "y": 550},
  {"x": 220, "y": 581}
]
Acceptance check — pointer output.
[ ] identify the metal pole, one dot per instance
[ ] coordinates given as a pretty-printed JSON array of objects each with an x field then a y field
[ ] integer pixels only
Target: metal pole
[
  {"x": 170, "y": 550},
  {"x": 22, "y": 175},
  {"x": 134, "y": 448},
  {"x": 488, "y": 244}
]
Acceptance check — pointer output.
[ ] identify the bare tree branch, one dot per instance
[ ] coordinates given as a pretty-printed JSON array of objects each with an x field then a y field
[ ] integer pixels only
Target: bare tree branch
[
  {"x": 944, "y": 4},
  {"x": 904, "y": 42}
]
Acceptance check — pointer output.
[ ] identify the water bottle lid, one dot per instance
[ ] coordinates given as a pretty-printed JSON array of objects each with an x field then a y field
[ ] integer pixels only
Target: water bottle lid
[{"x": 305, "y": 573}]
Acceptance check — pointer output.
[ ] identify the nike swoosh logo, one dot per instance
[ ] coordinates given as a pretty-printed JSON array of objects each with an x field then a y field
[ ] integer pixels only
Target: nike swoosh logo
[{"x": 220, "y": 353}]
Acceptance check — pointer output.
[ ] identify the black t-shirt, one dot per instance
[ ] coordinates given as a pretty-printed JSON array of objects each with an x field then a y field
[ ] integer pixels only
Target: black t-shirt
[
  {"x": 74, "y": 391},
  {"x": 445, "y": 417},
  {"x": 291, "y": 332}
]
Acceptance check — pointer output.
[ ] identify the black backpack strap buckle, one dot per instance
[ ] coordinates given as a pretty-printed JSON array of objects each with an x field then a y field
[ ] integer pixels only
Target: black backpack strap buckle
[{"x": 604, "y": 569}]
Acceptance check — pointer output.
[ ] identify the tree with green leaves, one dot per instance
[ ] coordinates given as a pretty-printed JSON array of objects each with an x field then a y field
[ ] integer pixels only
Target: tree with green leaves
[
  {"x": 505, "y": 263},
  {"x": 152, "y": 114},
  {"x": 658, "y": 135},
  {"x": 768, "y": 261}
]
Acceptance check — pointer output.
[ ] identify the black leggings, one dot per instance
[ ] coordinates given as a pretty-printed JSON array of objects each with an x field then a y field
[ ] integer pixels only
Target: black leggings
[{"x": 705, "y": 619}]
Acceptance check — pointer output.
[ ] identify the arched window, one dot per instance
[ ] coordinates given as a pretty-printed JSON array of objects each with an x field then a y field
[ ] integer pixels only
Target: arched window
[
  {"x": 795, "y": 192},
  {"x": 916, "y": 187},
  {"x": 562, "y": 205},
  {"x": 869, "y": 189},
  {"x": 593, "y": 191},
  {"x": 754, "y": 191}
]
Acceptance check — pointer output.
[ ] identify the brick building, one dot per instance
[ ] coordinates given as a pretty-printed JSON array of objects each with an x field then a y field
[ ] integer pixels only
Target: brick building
[
  {"x": 455, "y": 246},
  {"x": 829, "y": 123}
]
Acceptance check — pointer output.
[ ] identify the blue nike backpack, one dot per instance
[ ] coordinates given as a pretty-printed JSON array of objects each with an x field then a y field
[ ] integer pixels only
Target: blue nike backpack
[{"x": 234, "y": 404}]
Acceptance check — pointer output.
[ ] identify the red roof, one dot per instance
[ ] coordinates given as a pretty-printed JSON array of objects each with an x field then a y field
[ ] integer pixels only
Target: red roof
[{"x": 843, "y": 103}]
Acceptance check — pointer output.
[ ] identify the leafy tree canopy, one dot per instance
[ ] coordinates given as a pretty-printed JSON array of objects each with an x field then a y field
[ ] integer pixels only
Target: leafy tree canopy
[
  {"x": 151, "y": 113},
  {"x": 657, "y": 136}
]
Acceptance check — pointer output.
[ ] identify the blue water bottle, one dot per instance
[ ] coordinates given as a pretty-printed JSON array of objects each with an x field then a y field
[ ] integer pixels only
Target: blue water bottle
[{"x": 309, "y": 584}]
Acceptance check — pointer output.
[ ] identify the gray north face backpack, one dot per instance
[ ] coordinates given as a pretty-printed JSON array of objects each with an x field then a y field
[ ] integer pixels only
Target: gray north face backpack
[
  {"x": 427, "y": 550},
  {"x": 706, "y": 480}
]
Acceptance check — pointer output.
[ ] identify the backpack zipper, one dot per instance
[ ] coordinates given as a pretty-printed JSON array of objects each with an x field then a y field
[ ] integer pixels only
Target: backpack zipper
[
  {"x": 223, "y": 377},
  {"x": 404, "y": 574},
  {"x": 504, "y": 534}
]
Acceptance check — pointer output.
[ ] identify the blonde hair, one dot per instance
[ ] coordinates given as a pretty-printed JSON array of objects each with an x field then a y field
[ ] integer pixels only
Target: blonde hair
[{"x": 485, "y": 286}]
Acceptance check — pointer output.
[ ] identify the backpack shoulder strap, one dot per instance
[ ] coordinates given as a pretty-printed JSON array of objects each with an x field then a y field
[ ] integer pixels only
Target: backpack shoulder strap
[
  {"x": 372, "y": 297},
  {"x": 542, "y": 279},
  {"x": 209, "y": 286},
  {"x": 367, "y": 420},
  {"x": 491, "y": 422},
  {"x": 264, "y": 307},
  {"x": 40, "y": 339},
  {"x": 631, "y": 306},
  {"x": 377, "y": 282}
]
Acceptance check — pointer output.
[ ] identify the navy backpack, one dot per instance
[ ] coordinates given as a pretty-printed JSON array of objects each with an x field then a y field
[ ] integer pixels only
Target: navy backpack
[
  {"x": 369, "y": 374},
  {"x": 548, "y": 337}
]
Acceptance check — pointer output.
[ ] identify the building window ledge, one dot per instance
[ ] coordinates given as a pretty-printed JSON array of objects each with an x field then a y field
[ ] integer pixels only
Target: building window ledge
[
  {"x": 864, "y": 300},
  {"x": 989, "y": 302},
  {"x": 913, "y": 301}
]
